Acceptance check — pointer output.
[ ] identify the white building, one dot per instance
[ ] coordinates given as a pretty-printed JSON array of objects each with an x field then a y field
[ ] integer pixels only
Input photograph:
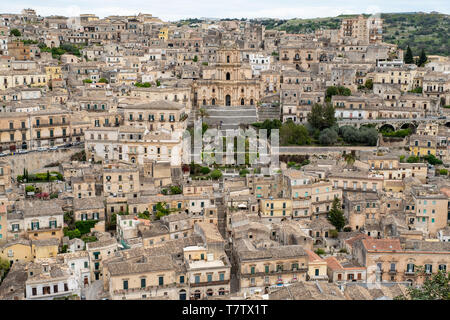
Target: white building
[
  {"x": 258, "y": 63},
  {"x": 48, "y": 279},
  {"x": 78, "y": 262}
]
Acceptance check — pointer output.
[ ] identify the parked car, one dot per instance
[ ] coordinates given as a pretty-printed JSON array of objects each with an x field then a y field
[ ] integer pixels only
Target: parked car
[
  {"x": 23, "y": 151},
  {"x": 53, "y": 148},
  {"x": 3, "y": 154},
  {"x": 41, "y": 149}
]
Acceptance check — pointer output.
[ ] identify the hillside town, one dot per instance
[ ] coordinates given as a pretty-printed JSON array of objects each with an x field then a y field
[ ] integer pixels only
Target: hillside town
[{"x": 106, "y": 195}]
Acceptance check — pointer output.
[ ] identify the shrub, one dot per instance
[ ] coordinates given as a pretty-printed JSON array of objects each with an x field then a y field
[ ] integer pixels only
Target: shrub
[
  {"x": 164, "y": 191},
  {"x": 443, "y": 172},
  {"x": 72, "y": 233},
  {"x": 30, "y": 189},
  {"x": 328, "y": 137},
  {"x": 85, "y": 226},
  {"x": 343, "y": 250},
  {"x": 347, "y": 229},
  {"x": 103, "y": 80},
  {"x": 320, "y": 251},
  {"x": 399, "y": 133},
  {"x": 87, "y": 81},
  {"x": 175, "y": 190},
  {"x": 334, "y": 233},
  {"x": 15, "y": 32},
  {"x": 216, "y": 174},
  {"x": 413, "y": 159},
  {"x": 205, "y": 170},
  {"x": 244, "y": 172},
  {"x": 89, "y": 238},
  {"x": 432, "y": 159},
  {"x": 143, "y": 85}
]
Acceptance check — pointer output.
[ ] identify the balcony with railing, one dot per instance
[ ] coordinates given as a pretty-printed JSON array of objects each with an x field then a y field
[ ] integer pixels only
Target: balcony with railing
[{"x": 209, "y": 283}]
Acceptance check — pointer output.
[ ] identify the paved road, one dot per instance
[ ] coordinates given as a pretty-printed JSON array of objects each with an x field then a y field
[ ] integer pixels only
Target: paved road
[{"x": 94, "y": 291}]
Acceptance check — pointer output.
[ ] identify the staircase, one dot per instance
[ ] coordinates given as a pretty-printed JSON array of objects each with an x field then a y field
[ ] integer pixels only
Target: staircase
[{"x": 268, "y": 113}]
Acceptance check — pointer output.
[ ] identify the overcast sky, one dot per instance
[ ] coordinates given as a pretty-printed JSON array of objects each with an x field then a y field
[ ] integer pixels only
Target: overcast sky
[{"x": 170, "y": 10}]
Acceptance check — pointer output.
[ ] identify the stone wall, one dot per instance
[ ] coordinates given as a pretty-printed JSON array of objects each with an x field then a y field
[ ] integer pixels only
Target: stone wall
[{"x": 34, "y": 161}]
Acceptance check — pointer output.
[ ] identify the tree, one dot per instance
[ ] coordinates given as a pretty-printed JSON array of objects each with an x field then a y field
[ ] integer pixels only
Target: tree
[
  {"x": 175, "y": 190},
  {"x": 435, "y": 287},
  {"x": 328, "y": 137},
  {"x": 329, "y": 118},
  {"x": 158, "y": 83},
  {"x": 369, "y": 84},
  {"x": 432, "y": 159},
  {"x": 4, "y": 267},
  {"x": 408, "y": 58},
  {"x": 161, "y": 210},
  {"x": 422, "y": 59},
  {"x": 339, "y": 91},
  {"x": 195, "y": 59},
  {"x": 336, "y": 215},
  {"x": 15, "y": 32},
  {"x": 103, "y": 80},
  {"x": 315, "y": 117},
  {"x": 293, "y": 134}
]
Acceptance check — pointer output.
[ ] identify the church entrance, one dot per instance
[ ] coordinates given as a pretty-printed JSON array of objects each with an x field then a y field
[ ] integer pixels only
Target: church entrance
[{"x": 228, "y": 100}]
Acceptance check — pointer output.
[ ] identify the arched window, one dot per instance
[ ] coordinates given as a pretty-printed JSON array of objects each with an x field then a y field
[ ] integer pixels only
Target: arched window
[
  {"x": 228, "y": 76},
  {"x": 209, "y": 292},
  {"x": 182, "y": 294},
  {"x": 213, "y": 102},
  {"x": 251, "y": 101},
  {"x": 221, "y": 291},
  {"x": 204, "y": 102},
  {"x": 228, "y": 100},
  {"x": 228, "y": 59},
  {"x": 242, "y": 101}
]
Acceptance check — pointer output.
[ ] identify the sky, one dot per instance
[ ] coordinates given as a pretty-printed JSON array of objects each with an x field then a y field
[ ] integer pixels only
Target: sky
[{"x": 171, "y": 10}]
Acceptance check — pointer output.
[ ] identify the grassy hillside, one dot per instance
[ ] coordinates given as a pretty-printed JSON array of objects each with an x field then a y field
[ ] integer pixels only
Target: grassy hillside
[{"x": 418, "y": 30}]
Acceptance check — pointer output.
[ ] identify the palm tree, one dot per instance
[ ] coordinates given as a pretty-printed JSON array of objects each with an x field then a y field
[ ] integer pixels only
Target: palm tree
[
  {"x": 203, "y": 113},
  {"x": 349, "y": 158}
]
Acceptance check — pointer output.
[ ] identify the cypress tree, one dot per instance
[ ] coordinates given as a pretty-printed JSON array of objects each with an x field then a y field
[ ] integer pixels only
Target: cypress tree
[
  {"x": 422, "y": 58},
  {"x": 408, "y": 58}
]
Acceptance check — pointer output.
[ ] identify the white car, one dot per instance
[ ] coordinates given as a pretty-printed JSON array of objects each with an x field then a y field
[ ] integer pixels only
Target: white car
[
  {"x": 53, "y": 148},
  {"x": 41, "y": 149},
  {"x": 3, "y": 154},
  {"x": 23, "y": 151}
]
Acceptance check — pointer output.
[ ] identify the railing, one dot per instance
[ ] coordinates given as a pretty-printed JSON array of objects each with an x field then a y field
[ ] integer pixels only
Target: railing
[
  {"x": 392, "y": 271},
  {"x": 209, "y": 283}
]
